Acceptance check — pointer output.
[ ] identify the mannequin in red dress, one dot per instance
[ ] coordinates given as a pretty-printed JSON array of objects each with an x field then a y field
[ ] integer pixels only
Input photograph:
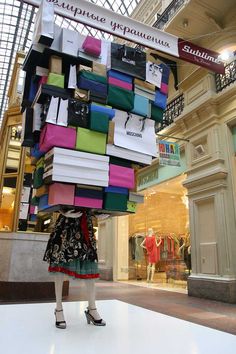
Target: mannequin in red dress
[{"x": 151, "y": 244}]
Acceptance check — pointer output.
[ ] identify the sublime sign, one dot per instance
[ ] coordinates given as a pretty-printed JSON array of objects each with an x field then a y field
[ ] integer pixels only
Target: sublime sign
[{"x": 124, "y": 27}]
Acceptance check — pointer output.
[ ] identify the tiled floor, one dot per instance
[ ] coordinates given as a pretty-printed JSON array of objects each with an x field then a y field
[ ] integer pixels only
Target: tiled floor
[
  {"x": 30, "y": 329},
  {"x": 208, "y": 313}
]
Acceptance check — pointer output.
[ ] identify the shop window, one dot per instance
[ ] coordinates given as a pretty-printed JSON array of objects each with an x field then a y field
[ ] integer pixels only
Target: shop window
[
  {"x": 13, "y": 152},
  {"x": 7, "y": 203}
]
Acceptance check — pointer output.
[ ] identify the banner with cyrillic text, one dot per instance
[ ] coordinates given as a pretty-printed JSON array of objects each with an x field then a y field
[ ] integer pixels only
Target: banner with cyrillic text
[{"x": 121, "y": 26}]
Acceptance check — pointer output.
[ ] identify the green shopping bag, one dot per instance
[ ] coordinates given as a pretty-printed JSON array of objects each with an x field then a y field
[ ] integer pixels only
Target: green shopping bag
[
  {"x": 131, "y": 206},
  {"x": 56, "y": 80},
  {"x": 157, "y": 114},
  {"x": 91, "y": 141},
  {"x": 38, "y": 174},
  {"x": 115, "y": 201},
  {"x": 94, "y": 77},
  {"x": 120, "y": 98},
  {"x": 99, "y": 121}
]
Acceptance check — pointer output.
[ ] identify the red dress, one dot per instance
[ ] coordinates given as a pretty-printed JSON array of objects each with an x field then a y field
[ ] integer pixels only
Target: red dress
[{"x": 152, "y": 250}]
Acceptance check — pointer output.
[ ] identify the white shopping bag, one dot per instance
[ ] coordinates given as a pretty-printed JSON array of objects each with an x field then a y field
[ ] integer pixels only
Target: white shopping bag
[
  {"x": 37, "y": 117},
  {"x": 153, "y": 73},
  {"x": 62, "y": 117},
  {"x": 44, "y": 24},
  {"x": 71, "y": 42},
  {"x": 135, "y": 133},
  {"x": 106, "y": 53},
  {"x": 72, "y": 82},
  {"x": 24, "y": 208},
  {"x": 52, "y": 110},
  {"x": 56, "y": 44}
]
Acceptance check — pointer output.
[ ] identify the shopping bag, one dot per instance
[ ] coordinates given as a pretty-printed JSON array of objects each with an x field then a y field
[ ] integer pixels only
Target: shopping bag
[
  {"x": 153, "y": 73},
  {"x": 91, "y": 141},
  {"x": 99, "y": 69},
  {"x": 56, "y": 80},
  {"x": 62, "y": 117},
  {"x": 135, "y": 133},
  {"x": 44, "y": 24},
  {"x": 115, "y": 199},
  {"x": 92, "y": 46},
  {"x": 61, "y": 193},
  {"x": 82, "y": 95},
  {"x": 52, "y": 111},
  {"x": 99, "y": 122},
  {"x": 160, "y": 99},
  {"x": 131, "y": 206},
  {"x": 121, "y": 176},
  {"x": 72, "y": 82},
  {"x": 27, "y": 138},
  {"x": 78, "y": 113},
  {"x": 54, "y": 135},
  {"x": 71, "y": 41},
  {"x": 94, "y": 107},
  {"x": 128, "y": 60},
  {"x": 141, "y": 106},
  {"x": 37, "y": 117},
  {"x": 157, "y": 113},
  {"x": 120, "y": 98}
]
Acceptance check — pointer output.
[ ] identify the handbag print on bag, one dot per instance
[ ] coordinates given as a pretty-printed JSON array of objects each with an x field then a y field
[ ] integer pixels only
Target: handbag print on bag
[{"x": 78, "y": 113}]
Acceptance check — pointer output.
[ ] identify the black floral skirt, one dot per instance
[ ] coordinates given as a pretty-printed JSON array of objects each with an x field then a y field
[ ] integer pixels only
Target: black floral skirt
[{"x": 71, "y": 247}]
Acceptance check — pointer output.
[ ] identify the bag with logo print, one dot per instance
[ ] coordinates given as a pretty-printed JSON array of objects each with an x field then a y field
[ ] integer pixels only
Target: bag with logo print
[
  {"x": 78, "y": 113},
  {"x": 128, "y": 60},
  {"x": 135, "y": 133}
]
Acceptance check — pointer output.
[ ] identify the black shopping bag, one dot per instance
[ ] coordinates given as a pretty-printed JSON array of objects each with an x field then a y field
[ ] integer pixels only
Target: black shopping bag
[{"x": 128, "y": 60}]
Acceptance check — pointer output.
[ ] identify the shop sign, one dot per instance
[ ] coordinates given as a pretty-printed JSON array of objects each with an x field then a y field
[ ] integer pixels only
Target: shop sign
[
  {"x": 169, "y": 153},
  {"x": 147, "y": 176},
  {"x": 200, "y": 56},
  {"x": 124, "y": 27}
]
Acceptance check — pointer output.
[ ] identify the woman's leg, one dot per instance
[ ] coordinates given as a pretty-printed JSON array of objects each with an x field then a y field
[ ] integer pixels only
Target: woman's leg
[
  {"x": 91, "y": 295},
  {"x": 59, "y": 278}
]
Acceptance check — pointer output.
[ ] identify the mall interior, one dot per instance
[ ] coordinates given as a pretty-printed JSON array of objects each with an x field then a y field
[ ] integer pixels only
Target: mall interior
[{"x": 188, "y": 206}]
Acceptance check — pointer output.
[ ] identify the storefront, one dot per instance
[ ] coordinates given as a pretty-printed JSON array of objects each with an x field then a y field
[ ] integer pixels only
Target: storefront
[{"x": 165, "y": 211}]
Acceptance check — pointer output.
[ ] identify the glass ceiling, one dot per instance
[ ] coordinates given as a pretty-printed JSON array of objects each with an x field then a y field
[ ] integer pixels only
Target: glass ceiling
[{"x": 16, "y": 28}]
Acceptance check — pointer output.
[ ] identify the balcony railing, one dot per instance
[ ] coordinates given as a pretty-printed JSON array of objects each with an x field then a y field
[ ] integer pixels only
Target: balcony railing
[
  {"x": 228, "y": 78},
  {"x": 168, "y": 13},
  {"x": 173, "y": 110}
]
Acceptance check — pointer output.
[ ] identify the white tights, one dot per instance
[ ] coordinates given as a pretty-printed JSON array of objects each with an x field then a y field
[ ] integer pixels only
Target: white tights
[{"x": 91, "y": 295}]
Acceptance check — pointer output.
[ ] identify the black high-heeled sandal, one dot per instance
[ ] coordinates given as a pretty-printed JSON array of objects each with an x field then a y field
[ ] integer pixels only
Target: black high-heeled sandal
[
  {"x": 59, "y": 324},
  {"x": 90, "y": 318}
]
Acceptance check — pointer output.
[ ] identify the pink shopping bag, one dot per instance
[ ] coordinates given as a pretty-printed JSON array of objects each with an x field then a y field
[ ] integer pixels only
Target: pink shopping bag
[
  {"x": 92, "y": 46},
  {"x": 120, "y": 176},
  {"x": 88, "y": 202},
  {"x": 120, "y": 83},
  {"x": 61, "y": 193},
  {"x": 164, "y": 88},
  {"x": 55, "y": 135}
]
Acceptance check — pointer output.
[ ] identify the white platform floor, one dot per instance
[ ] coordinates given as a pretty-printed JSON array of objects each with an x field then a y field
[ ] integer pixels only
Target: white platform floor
[{"x": 29, "y": 329}]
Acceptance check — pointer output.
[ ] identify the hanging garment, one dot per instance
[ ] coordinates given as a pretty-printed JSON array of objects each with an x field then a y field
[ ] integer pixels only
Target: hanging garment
[{"x": 138, "y": 252}]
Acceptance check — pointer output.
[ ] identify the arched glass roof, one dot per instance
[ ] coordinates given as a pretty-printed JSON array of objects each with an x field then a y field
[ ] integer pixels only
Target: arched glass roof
[{"x": 16, "y": 28}]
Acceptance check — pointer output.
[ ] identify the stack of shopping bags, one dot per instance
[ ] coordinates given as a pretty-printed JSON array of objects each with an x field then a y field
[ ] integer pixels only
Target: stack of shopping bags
[{"x": 94, "y": 105}]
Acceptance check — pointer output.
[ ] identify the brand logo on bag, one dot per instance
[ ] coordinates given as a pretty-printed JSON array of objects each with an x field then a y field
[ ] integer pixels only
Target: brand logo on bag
[
  {"x": 137, "y": 135},
  {"x": 129, "y": 61}
]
